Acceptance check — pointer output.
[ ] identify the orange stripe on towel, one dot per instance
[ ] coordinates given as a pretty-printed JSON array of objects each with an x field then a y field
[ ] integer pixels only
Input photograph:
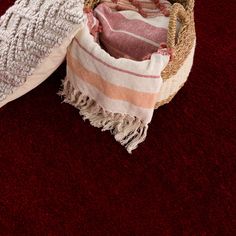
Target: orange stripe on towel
[{"x": 141, "y": 99}]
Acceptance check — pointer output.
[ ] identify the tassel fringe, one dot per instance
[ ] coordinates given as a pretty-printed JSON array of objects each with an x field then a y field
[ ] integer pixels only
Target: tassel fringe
[{"x": 128, "y": 131}]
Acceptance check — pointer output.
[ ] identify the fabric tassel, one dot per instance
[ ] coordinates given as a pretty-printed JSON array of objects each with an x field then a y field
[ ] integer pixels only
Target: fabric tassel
[{"x": 128, "y": 131}]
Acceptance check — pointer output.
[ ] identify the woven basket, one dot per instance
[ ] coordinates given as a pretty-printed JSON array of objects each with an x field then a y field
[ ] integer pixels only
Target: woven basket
[{"x": 177, "y": 71}]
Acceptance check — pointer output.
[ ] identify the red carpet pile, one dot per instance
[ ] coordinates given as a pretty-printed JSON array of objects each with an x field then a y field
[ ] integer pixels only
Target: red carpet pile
[{"x": 60, "y": 176}]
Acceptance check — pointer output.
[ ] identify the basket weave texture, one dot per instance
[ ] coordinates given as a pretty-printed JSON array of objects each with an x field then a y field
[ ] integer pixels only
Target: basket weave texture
[{"x": 182, "y": 10}]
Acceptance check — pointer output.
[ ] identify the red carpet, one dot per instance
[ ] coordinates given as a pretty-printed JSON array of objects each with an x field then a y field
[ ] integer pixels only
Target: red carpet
[{"x": 60, "y": 176}]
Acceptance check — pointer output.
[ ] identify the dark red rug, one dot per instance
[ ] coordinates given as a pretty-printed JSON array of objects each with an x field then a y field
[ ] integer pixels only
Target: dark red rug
[{"x": 60, "y": 176}]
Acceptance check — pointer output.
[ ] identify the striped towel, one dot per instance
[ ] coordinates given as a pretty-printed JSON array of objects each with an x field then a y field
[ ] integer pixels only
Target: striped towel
[
  {"x": 147, "y": 8},
  {"x": 113, "y": 94},
  {"x": 128, "y": 34}
]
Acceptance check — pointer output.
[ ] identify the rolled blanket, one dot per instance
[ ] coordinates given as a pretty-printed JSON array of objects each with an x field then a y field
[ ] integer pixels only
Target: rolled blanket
[
  {"x": 147, "y": 8},
  {"x": 113, "y": 94},
  {"x": 34, "y": 36},
  {"x": 128, "y": 34}
]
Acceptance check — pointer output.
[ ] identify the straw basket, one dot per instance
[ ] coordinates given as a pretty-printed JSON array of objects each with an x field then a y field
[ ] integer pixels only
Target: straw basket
[{"x": 177, "y": 71}]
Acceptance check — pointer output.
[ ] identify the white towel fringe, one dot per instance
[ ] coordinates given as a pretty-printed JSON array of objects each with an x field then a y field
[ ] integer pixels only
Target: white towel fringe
[{"x": 129, "y": 131}]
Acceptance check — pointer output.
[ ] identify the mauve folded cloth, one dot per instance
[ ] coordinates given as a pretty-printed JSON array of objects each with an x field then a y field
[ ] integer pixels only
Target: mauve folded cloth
[{"x": 128, "y": 34}]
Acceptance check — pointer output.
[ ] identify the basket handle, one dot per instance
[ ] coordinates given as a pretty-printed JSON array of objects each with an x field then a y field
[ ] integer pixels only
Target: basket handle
[
  {"x": 190, "y": 5},
  {"x": 177, "y": 12}
]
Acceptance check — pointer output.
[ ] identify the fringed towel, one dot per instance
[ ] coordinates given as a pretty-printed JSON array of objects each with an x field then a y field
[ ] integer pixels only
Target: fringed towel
[{"x": 113, "y": 94}]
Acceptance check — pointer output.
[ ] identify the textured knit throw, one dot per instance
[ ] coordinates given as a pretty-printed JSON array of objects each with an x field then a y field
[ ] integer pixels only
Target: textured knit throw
[
  {"x": 28, "y": 32},
  {"x": 113, "y": 94}
]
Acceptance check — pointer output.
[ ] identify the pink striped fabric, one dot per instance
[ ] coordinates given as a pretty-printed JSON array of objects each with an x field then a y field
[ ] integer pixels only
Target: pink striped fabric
[
  {"x": 147, "y": 8},
  {"x": 127, "y": 34}
]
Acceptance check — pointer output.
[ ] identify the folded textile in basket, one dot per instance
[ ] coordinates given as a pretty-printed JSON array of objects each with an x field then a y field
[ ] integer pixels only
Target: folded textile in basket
[
  {"x": 147, "y": 8},
  {"x": 113, "y": 94},
  {"x": 128, "y": 34}
]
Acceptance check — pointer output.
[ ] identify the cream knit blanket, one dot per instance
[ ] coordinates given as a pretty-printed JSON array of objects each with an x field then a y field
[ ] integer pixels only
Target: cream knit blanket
[{"x": 28, "y": 32}]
